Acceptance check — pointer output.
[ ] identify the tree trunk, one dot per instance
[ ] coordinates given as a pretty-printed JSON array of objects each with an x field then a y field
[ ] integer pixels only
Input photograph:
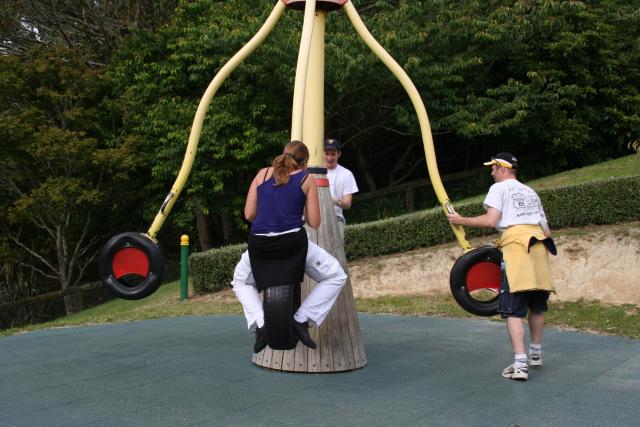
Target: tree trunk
[
  {"x": 364, "y": 168},
  {"x": 73, "y": 303},
  {"x": 202, "y": 223},
  {"x": 227, "y": 226},
  {"x": 70, "y": 306}
]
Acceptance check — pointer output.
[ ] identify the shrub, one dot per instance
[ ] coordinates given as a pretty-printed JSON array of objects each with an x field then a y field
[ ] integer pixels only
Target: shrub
[
  {"x": 212, "y": 270},
  {"x": 600, "y": 202}
]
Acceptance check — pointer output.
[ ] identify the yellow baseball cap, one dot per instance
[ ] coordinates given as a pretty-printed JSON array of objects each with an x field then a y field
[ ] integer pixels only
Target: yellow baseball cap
[{"x": 507, "y": 160}]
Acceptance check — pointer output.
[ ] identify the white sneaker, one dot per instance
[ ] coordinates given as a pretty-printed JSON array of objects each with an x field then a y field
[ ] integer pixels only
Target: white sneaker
[
  {"x": 535, "y": 359},
  {"x": 519, "y": 374}
]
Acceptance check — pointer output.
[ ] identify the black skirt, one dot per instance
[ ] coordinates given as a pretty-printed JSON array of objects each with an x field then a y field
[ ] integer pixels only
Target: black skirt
[{"x": 278, "y": 260}]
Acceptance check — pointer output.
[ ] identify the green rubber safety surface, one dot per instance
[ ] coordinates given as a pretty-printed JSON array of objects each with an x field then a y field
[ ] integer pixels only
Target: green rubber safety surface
[{"x": 197, "y": 371}]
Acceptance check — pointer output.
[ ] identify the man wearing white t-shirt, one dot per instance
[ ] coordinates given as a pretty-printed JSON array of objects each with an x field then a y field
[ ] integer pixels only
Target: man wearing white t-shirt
[
  {"x": 341, "y": 181},
  {"x": 515, "y": 210}
]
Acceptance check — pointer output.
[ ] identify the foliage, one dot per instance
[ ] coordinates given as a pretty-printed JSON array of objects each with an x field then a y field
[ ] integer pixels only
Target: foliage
[
  {"x": 553, "y": 78},
  {"x": 212, "y": 270},
  {"x": 393, "y": 204},
  {"x": 91, "y": 27},
  {"x": 598, "y": 202},
  {"x": 379, "y": 208},
  {"x": 63, "y": 169},
  {"x": 550, "y": 77},
  {"x": 161, "y": 78},
  {"x": 14, "y": 286},
  {"x": 536, "y": 77}
]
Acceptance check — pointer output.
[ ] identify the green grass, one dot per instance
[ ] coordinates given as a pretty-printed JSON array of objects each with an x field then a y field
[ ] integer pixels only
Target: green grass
[
  {"x": 624, "y": 166},
  {"x": 621, "y": 167},
  {"x": 583, "y": 316},
  {"x": 164, "y": 303},
  {"x": 592, "y": 316},
  {"x": 394, "y": 204}
]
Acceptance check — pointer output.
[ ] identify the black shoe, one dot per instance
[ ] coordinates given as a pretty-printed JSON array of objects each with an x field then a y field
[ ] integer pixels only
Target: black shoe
[
  {"x": 302, "y": 330},
  {"x": 261, "y": 340}
]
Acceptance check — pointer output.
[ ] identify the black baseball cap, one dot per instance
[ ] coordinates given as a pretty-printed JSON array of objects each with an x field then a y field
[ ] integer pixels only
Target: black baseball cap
[
  {"x": 331, "y": 144},
  {"x": 506, "y": 159}
]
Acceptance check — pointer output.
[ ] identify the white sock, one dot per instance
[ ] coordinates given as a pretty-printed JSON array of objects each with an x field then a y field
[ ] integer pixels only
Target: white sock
[
  {"x": 535, "y": 348},
  {"x": 520, "y": 361}
]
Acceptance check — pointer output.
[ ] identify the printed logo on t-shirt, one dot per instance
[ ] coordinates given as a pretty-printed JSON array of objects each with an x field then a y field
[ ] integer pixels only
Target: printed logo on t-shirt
[
  {"x": 517, "y": 203},
  {"x": 526, "y": 204},
  {"x": 522, "y": 201}
]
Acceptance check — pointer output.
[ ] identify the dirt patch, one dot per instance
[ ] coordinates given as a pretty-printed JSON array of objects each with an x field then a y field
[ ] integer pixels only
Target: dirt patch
[
  {"x": 600, "y": 263},
  {"x": 225, "y": 296}
]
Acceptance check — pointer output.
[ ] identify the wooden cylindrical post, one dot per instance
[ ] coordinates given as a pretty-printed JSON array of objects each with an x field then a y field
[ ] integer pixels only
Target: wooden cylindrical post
[{"x": 339, "y": 341}]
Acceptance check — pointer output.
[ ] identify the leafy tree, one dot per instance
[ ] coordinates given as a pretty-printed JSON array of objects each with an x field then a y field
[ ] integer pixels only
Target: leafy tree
[
  {"x": 552, "y": 77},
  {"x": 559, "y": 78},
  {"x": 93, "y": 27},
  {"x": 163, "y": 75},
  {"x": 63, "y": 168},
  {"x": 537, "y": 77}
]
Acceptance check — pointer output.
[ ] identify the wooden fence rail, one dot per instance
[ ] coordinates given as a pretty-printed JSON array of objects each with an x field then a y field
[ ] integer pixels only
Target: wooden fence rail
[
  {"x": 50, "y": 296},
  {"x": 410, "y": 187}
]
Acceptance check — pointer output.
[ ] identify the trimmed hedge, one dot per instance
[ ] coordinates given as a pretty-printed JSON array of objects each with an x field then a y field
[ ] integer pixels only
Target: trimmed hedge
[
  {"x": 212, "y": 270},
  {"x": 600, "y": 202}
]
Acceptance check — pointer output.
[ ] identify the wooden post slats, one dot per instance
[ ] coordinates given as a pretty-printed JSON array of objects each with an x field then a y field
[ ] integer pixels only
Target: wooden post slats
[{"x": 338, "y": 339}]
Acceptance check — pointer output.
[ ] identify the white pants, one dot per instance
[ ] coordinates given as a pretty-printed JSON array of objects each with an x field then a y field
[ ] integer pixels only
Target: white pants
[{"x": 320, "y": 266}]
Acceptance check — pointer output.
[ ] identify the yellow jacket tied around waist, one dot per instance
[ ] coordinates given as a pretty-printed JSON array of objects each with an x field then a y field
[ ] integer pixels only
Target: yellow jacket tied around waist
[{"x": 527, "y": 261}]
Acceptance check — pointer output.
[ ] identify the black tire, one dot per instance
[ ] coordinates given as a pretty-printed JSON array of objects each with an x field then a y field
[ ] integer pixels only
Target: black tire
[
  {"x": 132, "y": 286},
  {"x": 459, "y": 275},
  {"x": 279, "y": 304}
]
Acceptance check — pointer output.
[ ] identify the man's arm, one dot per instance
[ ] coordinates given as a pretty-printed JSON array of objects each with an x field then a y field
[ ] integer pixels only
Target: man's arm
[
  {"x": 348, "y": 188},
  {"x": 488, "y": 220},
  {"x": 344, "y": 202}
]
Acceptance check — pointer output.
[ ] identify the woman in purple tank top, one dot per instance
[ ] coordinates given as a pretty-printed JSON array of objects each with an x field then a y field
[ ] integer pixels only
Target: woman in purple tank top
[
  {"x": 280, "y": 200},
  {"x": 278, "y": 195}
]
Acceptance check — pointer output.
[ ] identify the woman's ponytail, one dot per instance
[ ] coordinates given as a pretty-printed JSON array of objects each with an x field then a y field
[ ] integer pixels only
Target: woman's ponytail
[{"x": 294, "y": 156}]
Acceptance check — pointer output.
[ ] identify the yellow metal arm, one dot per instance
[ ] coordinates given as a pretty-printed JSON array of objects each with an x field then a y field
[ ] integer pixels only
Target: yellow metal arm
[
  {"x": 421, "y": 111},
  {"x": 301, "y": 71},
  {"x": 196, "y": 128}
]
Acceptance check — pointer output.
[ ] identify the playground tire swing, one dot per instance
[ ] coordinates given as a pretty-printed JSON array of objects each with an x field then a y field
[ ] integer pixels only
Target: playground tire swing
[
  {"x": 132, "y": 264},
  {"x": 279, "y": 304},
  {"x": 475, "y": 280}
]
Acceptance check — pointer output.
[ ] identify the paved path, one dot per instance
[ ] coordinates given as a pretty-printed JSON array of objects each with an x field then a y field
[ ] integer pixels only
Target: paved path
[{"x": 421, "y": 371}]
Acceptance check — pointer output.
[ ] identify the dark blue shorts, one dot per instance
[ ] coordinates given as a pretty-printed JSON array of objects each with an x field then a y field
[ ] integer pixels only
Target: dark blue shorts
[{"x": 517, "y": 304}]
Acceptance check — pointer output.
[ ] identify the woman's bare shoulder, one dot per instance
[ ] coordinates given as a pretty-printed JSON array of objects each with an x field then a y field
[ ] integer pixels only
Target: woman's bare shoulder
[{"x": 263, "y": 174}]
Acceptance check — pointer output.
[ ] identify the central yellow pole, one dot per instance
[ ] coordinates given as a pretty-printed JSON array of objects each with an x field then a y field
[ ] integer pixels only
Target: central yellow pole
[
  {"x": 313, "y": 121},
  {"x": 338, "y": 339},
  {"x": 302, "y": 68}
]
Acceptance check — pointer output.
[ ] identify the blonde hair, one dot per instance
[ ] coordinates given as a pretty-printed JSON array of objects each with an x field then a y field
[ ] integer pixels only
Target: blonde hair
[{"x": 294, "y": 156}]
